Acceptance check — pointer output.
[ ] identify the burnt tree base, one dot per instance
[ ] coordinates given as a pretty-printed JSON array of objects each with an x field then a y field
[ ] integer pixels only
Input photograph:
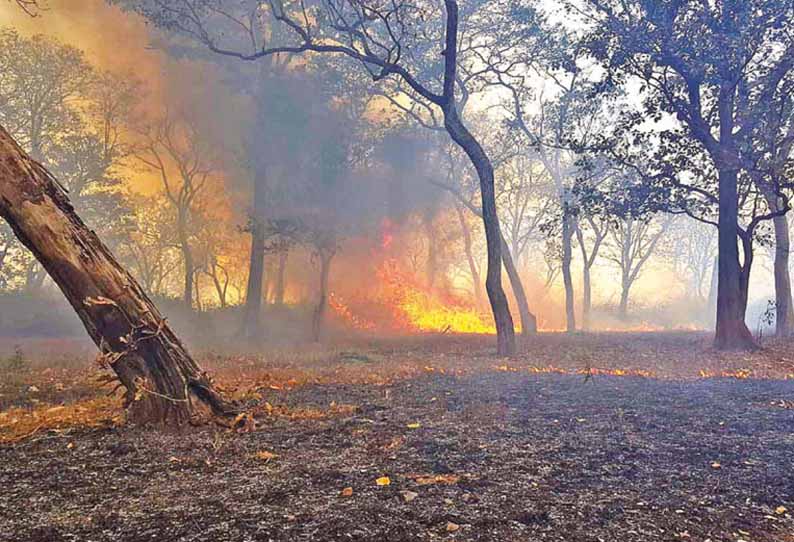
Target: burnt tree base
[{"x": 163, "y": 382}]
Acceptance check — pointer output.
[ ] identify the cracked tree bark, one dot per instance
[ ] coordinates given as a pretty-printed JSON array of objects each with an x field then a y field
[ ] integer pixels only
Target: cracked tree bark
[{"x": 163, "y": 382}]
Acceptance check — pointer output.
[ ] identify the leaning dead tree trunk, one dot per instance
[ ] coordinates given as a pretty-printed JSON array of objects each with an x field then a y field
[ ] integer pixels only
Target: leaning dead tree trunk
[{"x": 161, "y": 378}]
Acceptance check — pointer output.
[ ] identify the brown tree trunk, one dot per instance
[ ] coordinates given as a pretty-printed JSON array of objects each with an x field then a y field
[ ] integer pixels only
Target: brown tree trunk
[
  {"x": 278, "y": 296},
  {"x": 432, "y": 253},
  {"x": 467, "y": 245},
  {"x": 322, "y": 298},
  {"x": 623, "y": 308},
  {"x": 252, "y": 314},
  {"x": 529, "y": 324},
  {"x": 505, "y": 332},
  {"x": 587, "y": 289},
  {"x": 587, "y": 296},
  {"x": 784, "y": 309},
  {"x": 187, "y": 259},
  {"x": 160, "y": 376},
  {"x": 567, "y": 278},
  {"x": 731, "y": 330}
]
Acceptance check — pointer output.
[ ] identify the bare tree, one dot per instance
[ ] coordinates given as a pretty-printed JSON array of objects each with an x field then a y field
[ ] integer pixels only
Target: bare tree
[
  {"x": 325, "y": 245},
  {"x": 633, "y": 242},
  {"x": 474, "y": 269},
  {"x": 596, "y": 229},
  {"x": 185, "y": 162}
]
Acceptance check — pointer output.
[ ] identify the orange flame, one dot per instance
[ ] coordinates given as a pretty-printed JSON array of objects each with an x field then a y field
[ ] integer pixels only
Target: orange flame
[{"x": 416, "y": 309}]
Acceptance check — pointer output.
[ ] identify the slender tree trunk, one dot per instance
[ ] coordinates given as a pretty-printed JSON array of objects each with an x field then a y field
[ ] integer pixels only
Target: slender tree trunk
[
  {"x": 252, "y": 314},
  {"x": 623, "y": 308},
  {"x": 529, "y": 324},
  {"x": 160, "y": 376},
  {"x": 467, "y": 245},
  {"x": 712, "y": 299},
  {"x": 432, "y": 252},
  {"x": 220, "y": 288},
  {"x": 322, "y": 298},
  {"x": 34, "y": 277},
  {"x": 587, "y": 295},
  {"x": 278, "y": 296},
  {"x": 187, "y": 260},
  {"x": 567, "y": 278},
  {"x": 505, "y": 332},
  {"x": 731, "y": 330},
  {"x": 784, "y": 308}
]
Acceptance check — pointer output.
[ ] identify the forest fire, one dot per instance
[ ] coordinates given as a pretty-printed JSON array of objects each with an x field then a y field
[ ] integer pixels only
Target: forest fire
[
  {"x": 365, "y": 270},
  {"x": 414, "y": 308},
  {"x": 403, "y": 305}
]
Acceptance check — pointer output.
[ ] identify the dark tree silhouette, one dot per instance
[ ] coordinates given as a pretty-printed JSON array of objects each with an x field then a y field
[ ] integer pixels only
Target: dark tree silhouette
[{"x": 718, "y": 69}]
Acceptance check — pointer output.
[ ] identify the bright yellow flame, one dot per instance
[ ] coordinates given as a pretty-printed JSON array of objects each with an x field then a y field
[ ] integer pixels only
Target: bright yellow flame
[{"x": 415, "y": 309}]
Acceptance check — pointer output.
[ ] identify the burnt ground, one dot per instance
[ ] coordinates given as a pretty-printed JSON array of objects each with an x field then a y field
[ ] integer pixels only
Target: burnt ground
[{"x": 492, "y": 453}]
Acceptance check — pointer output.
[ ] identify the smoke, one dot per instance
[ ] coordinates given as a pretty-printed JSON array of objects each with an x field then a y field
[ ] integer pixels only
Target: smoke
[{"x": 335, "y": 163}]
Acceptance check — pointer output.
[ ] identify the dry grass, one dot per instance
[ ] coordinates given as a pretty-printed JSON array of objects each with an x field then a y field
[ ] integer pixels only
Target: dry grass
[{"x": 40, "y": 391}]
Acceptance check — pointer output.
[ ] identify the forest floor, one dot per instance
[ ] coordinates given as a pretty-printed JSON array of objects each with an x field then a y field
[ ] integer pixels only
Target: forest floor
[{"x": 604, "y": 437}]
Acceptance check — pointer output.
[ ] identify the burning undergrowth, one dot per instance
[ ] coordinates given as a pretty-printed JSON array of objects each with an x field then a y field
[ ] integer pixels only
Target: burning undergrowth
[{"x": 400, "y": 303}]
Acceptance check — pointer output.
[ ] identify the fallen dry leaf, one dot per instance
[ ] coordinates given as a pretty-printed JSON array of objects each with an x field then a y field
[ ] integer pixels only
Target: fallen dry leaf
[
  {"x": 408, "y": 496},
  {"x": 780, "y": 510},
  {"x": 383, "y": 481},
  {"x": 429, "y": 479},
  {"x": 346, "y": 492},
  {"x": 452, "y": 527},
  {"x": 264, "y": 455},
  {"x": 415, "y": 425}
]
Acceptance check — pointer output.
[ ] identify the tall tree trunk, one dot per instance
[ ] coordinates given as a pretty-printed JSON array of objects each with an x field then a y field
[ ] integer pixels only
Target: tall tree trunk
[
  {"x": 252, "y": 314},
  {"x": 567, "y": 278},
  {"x": 731, "y": 330},
  {"x": 467, "y": 246},
  {"x": 529, "y": 324},
  {"x": 587, "y": 296},
  {"x": 187, "y": 260},
  {"x": 505, "y": 332},
  {"x": 278, "y": 297},
  {"x": 160, "y": 376},
  {"x": 784, "y": 308},
  {"x": 712, "y": 299},
  {"x": 623, "y": 308},
  {"x": 220, "y": 287},
  {"x": 587, "y": 291},
  {"x": 322, "y": 298}
]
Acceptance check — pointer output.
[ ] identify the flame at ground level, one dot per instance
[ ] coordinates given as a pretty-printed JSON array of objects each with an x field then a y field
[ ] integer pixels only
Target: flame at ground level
[
  {"x": 399, "y": 302},
  {"x": 405, "y": 305}
]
